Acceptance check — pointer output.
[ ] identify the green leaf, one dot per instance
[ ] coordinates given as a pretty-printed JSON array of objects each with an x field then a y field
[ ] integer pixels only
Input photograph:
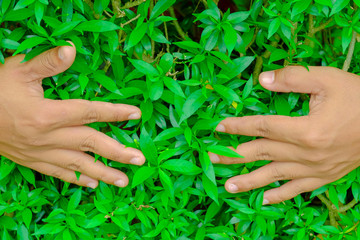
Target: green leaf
[
  {"x": 282, "y": 106},
  {"x": 144, "y": 67},
  {"x": 223, "y": 151},
  {"x": 277, "y": 55},
  {"x": 238, "y": 17},
  {"x": 238, "y": 66},
  {"x": 248, "y": 88},
  {"x": 141, "y": 175},
  {"x": 327, "y": 2},
  {"x": 160, "y": 7},
  {"x": 227, "y": 93},
  {"x": 97, "y": 26},
  {"x": 192, "y": 104},
  {"x": 333, "y": 196},
  {"x": 9, "y": 44},
  {"x": 274, "y": 26},
  {"x": 137, "y": 35},
  {"x": 166, "y": 180},
  {"x": 182, "y": 166},
  {"x": 18, "y": 15},
  {"x": 121, "y": 222},
  {"x": 210, "y": 188},
  {"x": 338, "y": 6},
  {"x": 27, "y": 216},
  {"x": 106, "y": 82},
  {"x": 148, "y": 147},
  {"x": 65, "y": 28},
  {"x": 158, "y": 36},
  {"x": 168, "y": 134},
  {"x": 300, "y": 7},
  {"x": 27, "y": 173},
  {"x": 173, "y": 86},
  {"x": 74, "y": 200},
  {"x": 29, "y": 43}
]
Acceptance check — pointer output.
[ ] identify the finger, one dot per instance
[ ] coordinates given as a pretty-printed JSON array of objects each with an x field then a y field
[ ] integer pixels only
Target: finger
[
  {"x": 87, "y": 139},
  {"x": 265, "y": 175},
  {"x": 260, "y": 149},
  {"x": 77, "y": 112},
  {"x": 86, "y": 164},
  {"x": 281, "y": 128},
  {"x": 50, "y": 63},
  {"x": 64, "y": 174},
  {"x": 291, "y": 189},
  {"x": 296, "y": 79}
]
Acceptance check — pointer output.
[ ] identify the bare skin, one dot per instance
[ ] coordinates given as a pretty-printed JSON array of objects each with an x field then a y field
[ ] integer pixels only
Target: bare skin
[
  {"x": 50, "y": 136},
  {"x": 310, "y": 151}
]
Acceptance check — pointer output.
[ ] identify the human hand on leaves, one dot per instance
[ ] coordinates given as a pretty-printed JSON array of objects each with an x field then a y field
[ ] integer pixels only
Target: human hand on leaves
[
  {"x": 310, "y": 151},
  {"x": 49, "y": 136}
]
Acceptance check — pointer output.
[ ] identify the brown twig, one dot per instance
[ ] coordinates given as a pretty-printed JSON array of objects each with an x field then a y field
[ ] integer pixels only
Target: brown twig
[
  {"x": 132, "y": 4},
  {"x": 333, "y": 212},
  {"x": 350, "y": 53},
  {"x": 348, "y": 206},
  {"x": 176, "y": 23}
]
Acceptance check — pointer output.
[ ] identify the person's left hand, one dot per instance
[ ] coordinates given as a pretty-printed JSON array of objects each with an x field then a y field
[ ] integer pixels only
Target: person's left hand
[{"x": 310, "y": 151}]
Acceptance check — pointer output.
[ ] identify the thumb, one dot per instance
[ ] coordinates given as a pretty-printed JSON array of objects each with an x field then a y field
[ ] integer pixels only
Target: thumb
[
  {"x": 293, "y": 79},
  {"x": 51, "y": 62}
]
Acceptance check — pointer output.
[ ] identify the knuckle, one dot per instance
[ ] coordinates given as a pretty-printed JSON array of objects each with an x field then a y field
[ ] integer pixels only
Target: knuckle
[
  {"x": 276, "y": 174},
  {"x": 88, "y": 144},
  {"x": 288, "y": 73},
  {"x": 48, "y": 64},
  {"x": 90, "y": 115},
  {"x": 56, "y": 174},
  {"x": 74, "y": 166},
  {"x": 316, "y": 139},
  {"x": 262, "y": 126},
  {"x": 262, "y": 153}
]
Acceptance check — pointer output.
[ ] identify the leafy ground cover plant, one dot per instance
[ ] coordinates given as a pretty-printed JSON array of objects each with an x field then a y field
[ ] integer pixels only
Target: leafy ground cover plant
[{"x": 187, "y": 65}]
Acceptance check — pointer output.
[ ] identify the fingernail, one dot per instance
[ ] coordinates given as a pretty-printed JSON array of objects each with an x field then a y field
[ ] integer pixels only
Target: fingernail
[
  {"x": 134, "y": 116},
  {"x": 214, "y": 158},
  {"x": 220, "y": 128},
  {"x": 267, "y": 77},
  {"x": 61, "y": 52},
  {"x": 120, "y": 183},
  {"x": 233, "y": 188},
  {"x": 136, "y": 161},
  {"x": 92, "y": 185},
  {"x": 265, "y": 201}
]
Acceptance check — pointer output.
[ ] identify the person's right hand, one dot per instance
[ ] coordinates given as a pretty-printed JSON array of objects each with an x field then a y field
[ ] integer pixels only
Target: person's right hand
[{"x": 49, "y": 136}]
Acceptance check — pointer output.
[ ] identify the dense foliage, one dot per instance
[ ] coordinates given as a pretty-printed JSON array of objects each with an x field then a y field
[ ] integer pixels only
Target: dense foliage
[{"x": 187, "y": 65}]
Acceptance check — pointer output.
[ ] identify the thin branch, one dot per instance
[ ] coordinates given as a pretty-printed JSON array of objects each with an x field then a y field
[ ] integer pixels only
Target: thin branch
[
  {"x": 260, "y": 60},
  {"x": 176, "y": 23},
  {"x": 348, "y": 206},
  {"x": 91, "y": 5},
  {"x": 132, "y": 4},
  {"x": 167, "y": 37},
  {"x": 105, "y": 69},
  {"x": 333, "y": 212},
  {"x": 350, "y": 52},
  {"x": 130, "y": 21},
  {"x": 152, "y": 41},
  {"x": 323, "y": 26}
]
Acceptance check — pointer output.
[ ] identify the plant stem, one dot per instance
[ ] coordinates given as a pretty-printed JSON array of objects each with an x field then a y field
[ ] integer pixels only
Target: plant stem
[
  {"x": 167, "y": 37},
  {"x": 348, "y": 206},
  {"x": 350, "y": 52},
  {"x": 333, "y": 212},
  {"x": 260, "y": 60},
  {"x": 132, "y": 4},
  {"x": 152, "y": 41},
  {"x": 176, "y": 23}
]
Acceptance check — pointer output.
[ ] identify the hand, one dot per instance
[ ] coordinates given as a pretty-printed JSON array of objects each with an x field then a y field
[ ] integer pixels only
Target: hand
[
  {"x": 310, "y": 151},
  {"x": 49, "y": 136}
]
